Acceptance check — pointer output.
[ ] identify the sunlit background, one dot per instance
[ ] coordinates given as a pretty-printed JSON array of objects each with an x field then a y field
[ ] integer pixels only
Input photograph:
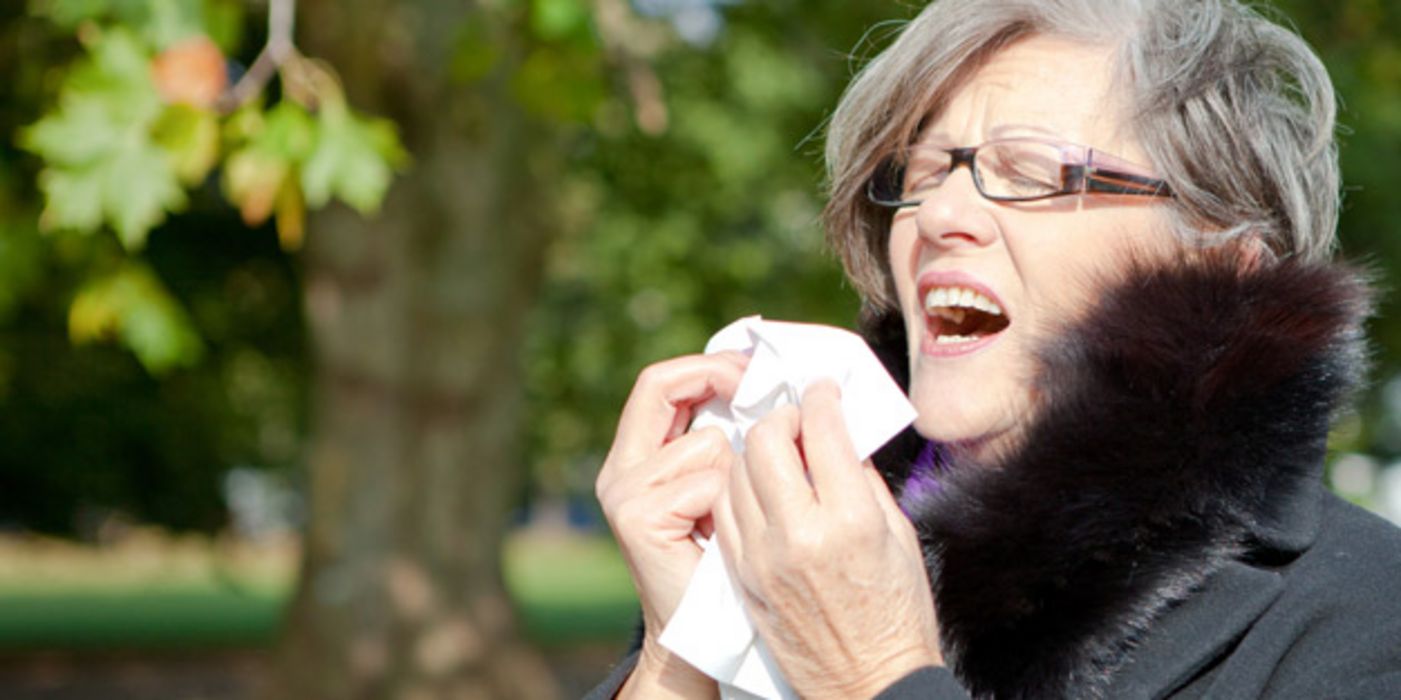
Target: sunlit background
[{"x": 178, "y": 229}]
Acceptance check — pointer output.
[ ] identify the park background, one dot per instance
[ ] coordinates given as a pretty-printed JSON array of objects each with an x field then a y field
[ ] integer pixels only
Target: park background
[{"x": 315, "y": 317}]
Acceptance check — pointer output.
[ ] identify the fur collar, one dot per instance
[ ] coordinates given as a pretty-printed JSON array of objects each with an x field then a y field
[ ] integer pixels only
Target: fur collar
[{"x": 1181, "y": 427}]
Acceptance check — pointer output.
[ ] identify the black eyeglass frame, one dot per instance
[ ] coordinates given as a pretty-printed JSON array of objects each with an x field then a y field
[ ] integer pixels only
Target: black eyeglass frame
[{"x": 1084, "y": 170}]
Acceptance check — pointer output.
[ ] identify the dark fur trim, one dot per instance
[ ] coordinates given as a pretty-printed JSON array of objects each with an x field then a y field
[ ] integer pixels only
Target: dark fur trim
[{"x": 1178, "y": 420}]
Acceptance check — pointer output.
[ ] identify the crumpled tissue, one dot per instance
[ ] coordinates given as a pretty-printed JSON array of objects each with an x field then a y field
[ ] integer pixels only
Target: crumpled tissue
[{"x": 710, "y": 628}]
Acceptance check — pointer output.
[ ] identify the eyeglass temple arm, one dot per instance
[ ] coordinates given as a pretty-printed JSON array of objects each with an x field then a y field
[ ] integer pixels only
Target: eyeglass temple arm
[
  {"x": 1087, "y": 178},
  {"x": 1114, "y": 182}
]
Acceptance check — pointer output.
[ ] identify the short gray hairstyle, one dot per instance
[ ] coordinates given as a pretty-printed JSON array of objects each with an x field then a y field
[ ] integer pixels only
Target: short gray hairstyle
[{"x": 1234, "y": 111}]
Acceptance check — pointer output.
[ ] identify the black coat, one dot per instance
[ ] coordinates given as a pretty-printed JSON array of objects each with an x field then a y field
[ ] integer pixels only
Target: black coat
[{"x": 1164, "y": 532}]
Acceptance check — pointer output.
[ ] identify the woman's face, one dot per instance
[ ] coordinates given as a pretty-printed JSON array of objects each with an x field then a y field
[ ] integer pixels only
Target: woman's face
[{"x": 1035, "y": 261}]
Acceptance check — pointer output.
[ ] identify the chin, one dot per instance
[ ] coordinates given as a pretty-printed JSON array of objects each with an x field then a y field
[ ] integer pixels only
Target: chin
[
  {"x": 977, "y": 421},
  {"x": 941, "y": 422}
]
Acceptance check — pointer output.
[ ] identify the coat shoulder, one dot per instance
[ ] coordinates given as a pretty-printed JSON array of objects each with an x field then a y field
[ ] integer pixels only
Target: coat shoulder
[
  {"x": 1339, "y": 618},
  {"x": 1356, "y": 559}
]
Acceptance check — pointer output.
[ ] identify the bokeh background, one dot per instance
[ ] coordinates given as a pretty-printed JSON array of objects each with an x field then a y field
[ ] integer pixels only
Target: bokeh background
[{"x": 316, "y": 315}]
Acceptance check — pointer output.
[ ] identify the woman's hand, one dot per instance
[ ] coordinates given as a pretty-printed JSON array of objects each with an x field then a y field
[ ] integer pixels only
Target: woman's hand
[
  {"x": 658, "y": 484},
  {"x": 831, "y": 569}
]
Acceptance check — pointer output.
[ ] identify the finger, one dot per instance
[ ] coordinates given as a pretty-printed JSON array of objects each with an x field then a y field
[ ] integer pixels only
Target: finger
[
  {"x": 669, "y": 513},
  {"x": 702, "y": 450},
  {"x": 666, "y": 390},
  {"x": 895, "y": 518},
  {"x": 727, "y": 530},
  {"x": 684, "y": 502},
  {"x": 731, "y": 539},
  {"x": 749, "y": 516},
  {"x": 774, "y": 467},
  {"x": 831, "y": 459}
]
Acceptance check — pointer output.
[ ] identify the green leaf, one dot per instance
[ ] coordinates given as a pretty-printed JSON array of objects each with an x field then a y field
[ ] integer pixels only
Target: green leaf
[
  {"x": 258, "y": 174},
  {"x": 133, "y": 307},
  {"x": 171, "y": 21},
  {"x": 190, "y": 136},
  {"x": 81, "y": 132},
  {"x": 223, "y": 22},
  {"x": 138, "y": 186},
  {"x": 289, "y": 132},
  {"x": 556, "y": 19},
  {"x": 73, "y": 200},
  {"x": 354, "y": 159},
  {"x": 560, "y": 84},
  {"x": 117, "y": 72},
  {"x": 102, "y": 162},
  {"x": 68, "y": 14}
]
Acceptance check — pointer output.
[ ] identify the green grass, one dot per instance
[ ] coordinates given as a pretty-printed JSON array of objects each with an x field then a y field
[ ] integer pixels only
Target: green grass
[
  {"x": 568, "y": 590},
  {"x": 169, "y": 619}
]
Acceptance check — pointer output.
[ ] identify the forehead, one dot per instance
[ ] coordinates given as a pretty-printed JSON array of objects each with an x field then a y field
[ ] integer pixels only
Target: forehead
[{"x": 1039, "y": 86}]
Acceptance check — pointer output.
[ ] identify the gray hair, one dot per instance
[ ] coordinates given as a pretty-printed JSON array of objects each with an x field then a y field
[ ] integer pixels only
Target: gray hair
[{"x": 1234, "y": 111}]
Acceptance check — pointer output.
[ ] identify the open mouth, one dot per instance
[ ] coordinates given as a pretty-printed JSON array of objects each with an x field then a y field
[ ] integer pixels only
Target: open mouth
[{"x": 958, "y": 315}]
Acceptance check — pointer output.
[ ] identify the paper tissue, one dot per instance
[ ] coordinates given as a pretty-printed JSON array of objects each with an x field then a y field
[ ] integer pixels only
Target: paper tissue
[{"x": 710, "y": 628}]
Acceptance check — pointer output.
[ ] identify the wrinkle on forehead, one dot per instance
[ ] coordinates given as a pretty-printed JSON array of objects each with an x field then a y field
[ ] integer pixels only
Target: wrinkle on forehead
[{"x": 1039, "y": 86}]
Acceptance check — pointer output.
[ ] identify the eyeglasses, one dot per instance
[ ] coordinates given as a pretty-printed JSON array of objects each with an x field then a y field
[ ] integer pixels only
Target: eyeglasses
[{"x": 1010, "y": 170}]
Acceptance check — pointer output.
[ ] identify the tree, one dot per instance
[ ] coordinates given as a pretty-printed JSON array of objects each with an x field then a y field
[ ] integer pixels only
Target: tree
[{"x": 418, "y": 317}]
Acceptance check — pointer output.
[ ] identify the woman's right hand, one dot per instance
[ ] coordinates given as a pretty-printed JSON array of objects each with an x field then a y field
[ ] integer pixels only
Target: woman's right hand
[{"x": 658, "y": 485}]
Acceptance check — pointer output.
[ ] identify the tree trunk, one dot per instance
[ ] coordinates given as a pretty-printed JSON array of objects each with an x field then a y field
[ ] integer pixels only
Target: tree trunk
[{"x": 417, "y": 317}]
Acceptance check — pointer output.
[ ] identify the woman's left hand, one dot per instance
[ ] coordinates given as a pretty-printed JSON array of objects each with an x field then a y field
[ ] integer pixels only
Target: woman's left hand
[{"x": 831, "y": 569}]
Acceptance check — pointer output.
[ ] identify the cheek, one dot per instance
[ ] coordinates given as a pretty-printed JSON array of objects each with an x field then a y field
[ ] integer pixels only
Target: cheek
[
  {"x": 1068, "y": 266},
  {"x": 900, "y": 253},
  {"x": 902, "y": 256}
]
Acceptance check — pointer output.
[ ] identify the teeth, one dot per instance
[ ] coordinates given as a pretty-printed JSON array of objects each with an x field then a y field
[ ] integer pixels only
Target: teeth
[
  {"x": 955, "y": 297},
  {"x": 952, "y": 339}
]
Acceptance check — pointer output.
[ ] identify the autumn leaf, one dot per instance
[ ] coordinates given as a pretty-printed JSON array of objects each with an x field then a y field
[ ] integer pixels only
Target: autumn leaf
[
  {"x": 191, "y": 72},
  {"x": 131, "y": 305}
]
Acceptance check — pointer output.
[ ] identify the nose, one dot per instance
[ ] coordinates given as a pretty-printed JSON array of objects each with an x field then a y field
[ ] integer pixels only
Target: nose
[{"x": 955, "y": 215}]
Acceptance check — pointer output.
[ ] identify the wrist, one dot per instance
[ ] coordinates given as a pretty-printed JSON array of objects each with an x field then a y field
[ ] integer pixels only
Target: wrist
[
  {"x": 662, "y": 674},
  {"x": 886, "y": 674}
]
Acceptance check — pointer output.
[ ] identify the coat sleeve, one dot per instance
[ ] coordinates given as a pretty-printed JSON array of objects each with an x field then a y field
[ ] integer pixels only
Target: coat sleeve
[
  {"x": 928, "y": 683},
  {"x": 610, "y": 686}
]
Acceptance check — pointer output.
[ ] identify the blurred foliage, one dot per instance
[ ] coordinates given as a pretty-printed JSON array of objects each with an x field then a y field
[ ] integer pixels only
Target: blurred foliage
[
  {"x": 667, "y": 238},
  {"x": 206, "y": 366},
  {"x": 692, "y": 198},
  {"x": 145, "y": 112}
]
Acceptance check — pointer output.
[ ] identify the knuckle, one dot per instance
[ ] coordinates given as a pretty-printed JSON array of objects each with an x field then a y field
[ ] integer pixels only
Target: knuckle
[
  {"x": 857, "y": 524},
  {"x": 766, "y": 433},
  {"x": 607, "y": 497},
  {"x": 650, "y": 377},
  {"x": 625, "y": 514},
  {"x": 800, "y": 546},
  {"x": 713, "y": 439}
]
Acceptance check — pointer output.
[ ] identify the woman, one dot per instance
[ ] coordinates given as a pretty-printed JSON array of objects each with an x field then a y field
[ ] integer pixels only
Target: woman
[{"x": 1093, "y": 236}]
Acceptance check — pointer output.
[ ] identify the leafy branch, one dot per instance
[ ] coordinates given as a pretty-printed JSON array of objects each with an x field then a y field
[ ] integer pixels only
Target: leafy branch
[{"x": 145, "y": 115}]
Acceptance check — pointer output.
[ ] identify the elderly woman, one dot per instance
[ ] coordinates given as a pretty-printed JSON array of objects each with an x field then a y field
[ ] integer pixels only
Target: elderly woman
[{"x": 1093, "y": 240}]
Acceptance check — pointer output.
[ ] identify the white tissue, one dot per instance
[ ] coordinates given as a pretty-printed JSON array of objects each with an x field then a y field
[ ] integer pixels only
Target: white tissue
[{"x": 710, "y": 628}]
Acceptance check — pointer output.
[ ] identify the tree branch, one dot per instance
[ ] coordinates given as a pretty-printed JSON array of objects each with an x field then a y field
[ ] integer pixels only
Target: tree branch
[{"x": 279, "y": 48}]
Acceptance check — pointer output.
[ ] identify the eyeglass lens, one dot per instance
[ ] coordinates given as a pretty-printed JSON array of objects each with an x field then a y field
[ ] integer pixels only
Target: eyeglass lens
[{"x": 1010, "y": 170}]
